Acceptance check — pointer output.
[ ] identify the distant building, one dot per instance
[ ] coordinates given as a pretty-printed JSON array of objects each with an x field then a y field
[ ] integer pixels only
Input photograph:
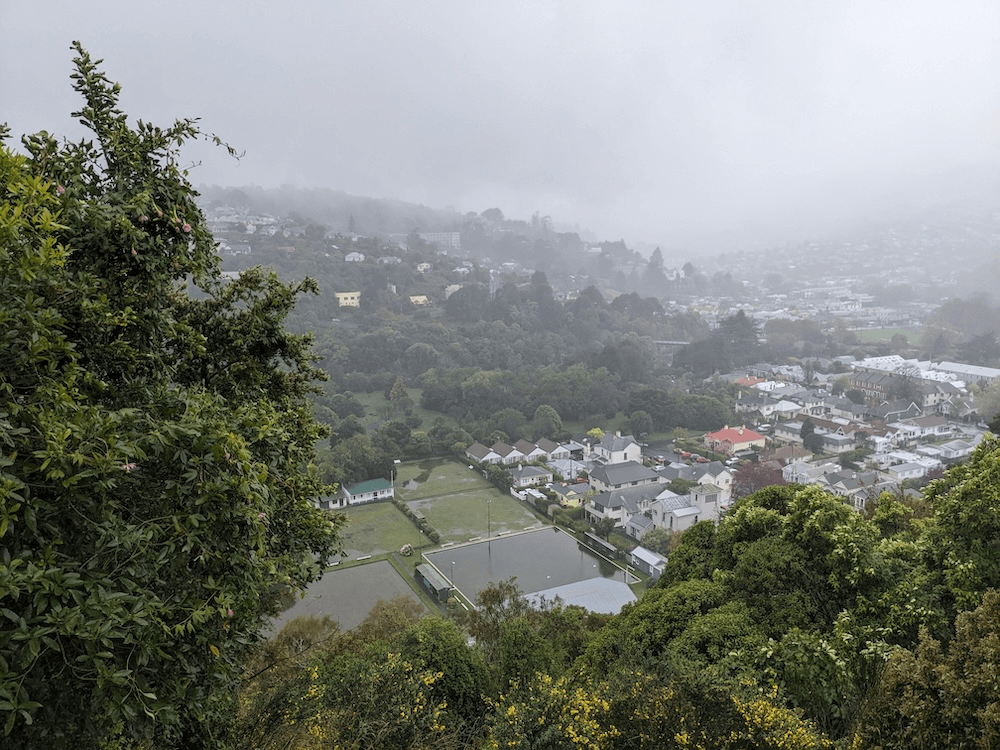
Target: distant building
[
  {"x": 446, "y": 241},
  {"x": 348, "y": 299}
]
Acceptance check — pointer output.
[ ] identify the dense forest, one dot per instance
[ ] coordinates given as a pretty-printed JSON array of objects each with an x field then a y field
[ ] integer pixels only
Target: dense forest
[{"x": 159, "y": 470}]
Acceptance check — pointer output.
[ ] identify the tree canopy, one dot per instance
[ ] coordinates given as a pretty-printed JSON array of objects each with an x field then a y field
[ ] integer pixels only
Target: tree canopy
[{"x": 156, "y": 478}]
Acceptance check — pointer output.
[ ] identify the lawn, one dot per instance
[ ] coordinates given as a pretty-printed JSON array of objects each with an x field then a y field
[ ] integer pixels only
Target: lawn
[
  {"x": 884, "y": 335},
  {"x": 377, "y": 528},
  {"x": 436, "y": 476},
  {"x": 376, "y": 403},
  {"x": 465, "y": 515}
]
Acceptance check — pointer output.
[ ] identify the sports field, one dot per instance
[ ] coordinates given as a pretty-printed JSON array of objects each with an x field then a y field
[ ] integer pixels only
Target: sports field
[
  {"x": 377, "y": 528},
  {"x": 348, "y": 595},
  {"x": 461, "y": 516},
  {"x": 435, "y": 477}
]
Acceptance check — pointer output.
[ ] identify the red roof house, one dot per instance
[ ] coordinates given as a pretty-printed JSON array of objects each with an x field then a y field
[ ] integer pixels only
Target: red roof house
[{"x": 731, "y": 440}]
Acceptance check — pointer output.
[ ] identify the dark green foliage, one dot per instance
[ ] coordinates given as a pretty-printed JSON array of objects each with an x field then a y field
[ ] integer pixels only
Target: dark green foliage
[
  {"x": 156, "y": 483},
  {"x": 941, "y": 695},
  {"x": 438, "y": 645},
  {"x": 692, "y": 557}
]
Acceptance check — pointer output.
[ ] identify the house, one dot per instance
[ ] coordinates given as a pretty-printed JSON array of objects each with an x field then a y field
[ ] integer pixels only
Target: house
[
  {"x": 423, "y": 267},
  {"x": 895, "y": 411},
  {"x": 354, "y": 257},
  {"x": 807, "y": 472},
  {"x": 348, "y": 299},
  {"x": 955, "y": 449},
  {"x": 419, "y": 300},
  {"x": 730, "y": 440},
  {"x": 572, "y": 494},
  {"x": 617, "y": 476},
  {"x": 618, "y": 448},
  {"x": 390, "y": 260},
  {"x": 712, "y": 500},
  {"x": 858, "y": 488},
  {"x": 530, "y": 476},
  {"x": 508, "y": 453},
  {"x": 650, "y": 563},
  {"x": 638, "y": 525},
  {"x": 481, "y": 454},
  {"x": 675, "y": 512},
  {"x": 620, "y": 504},
  {"x": 531, "y": 451},
  {"x": 364, "y": 492},
  {"x": 714, "y": 473},
  {"x": 902, "y": 472},
  {"x": 931, "y": 426},
  {"x": 875, "y": 385},
  {"x": 552, "y": 449}
]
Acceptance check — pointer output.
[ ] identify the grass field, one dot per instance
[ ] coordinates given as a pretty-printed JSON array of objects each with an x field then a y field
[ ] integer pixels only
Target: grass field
[
  {"x": 884, "y": 335},
  {"x": 376, "y": 529},
  {"x": 436, "y": 476},
  {"x": 375, "y": 404},
  {"x": 464, "y": 515}
]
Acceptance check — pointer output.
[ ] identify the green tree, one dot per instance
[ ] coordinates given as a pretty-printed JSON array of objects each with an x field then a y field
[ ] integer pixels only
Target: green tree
[
  {"x": 439, "y": 646},
  {"x": 156, "y": 483},
  {"x": 751, "y": 477},
  {"x": 810, "y": 440},
  {"x": 547, "y": 422},
  {"x": 941, "y": 695},
  {"x": 639, "y": 423},
  {"x": 659, "y": 540}
]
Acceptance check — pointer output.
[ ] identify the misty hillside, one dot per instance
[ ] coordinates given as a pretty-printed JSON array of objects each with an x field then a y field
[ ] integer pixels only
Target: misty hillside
[{"x": 335, "y": 209}]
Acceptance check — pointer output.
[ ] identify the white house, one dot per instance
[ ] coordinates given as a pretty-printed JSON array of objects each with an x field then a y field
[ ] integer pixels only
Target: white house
[
  {"x": 356, "y": 494},
  {"x": 618, "y": 448}
]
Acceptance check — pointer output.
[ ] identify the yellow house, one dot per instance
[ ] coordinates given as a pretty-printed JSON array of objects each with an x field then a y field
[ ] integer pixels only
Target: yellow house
[
  {"x": 348, "y": 299},
  {"x": 419, "y": 300}
]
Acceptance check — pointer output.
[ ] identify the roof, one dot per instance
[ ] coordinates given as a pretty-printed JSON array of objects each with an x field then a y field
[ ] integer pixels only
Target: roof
[
  {"x": 623, "y": 473},
  {"x": 569, "y": 489},
  {"x": 712, "y": 469},
  {"x": 522, "y": 472},
  {"x": 626, "y": 497},
  {"x": 525, "y": 447},
  {"x": 640, "y": 521},
  {"x": 734, "y": 435},
  {"x": 602, "y": 595},
  {"x": 614, "y": 443},
  {"x": 372, "y": 485},
  {"x": 959, "y": 368},
  {"x": 503, "y": 449},
  {"x": 433, "y": 577},
  {"x": 478, "y": 450},
  {"x": 547, "y": 445},
  {"x": 648, "y": 556},
  {"x": 676, "y": 502}
]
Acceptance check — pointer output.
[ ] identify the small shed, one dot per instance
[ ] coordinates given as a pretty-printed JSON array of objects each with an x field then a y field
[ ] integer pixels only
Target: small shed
[
  {"x": 649, "y": 562},
  {"x": 433, "y": 582}
]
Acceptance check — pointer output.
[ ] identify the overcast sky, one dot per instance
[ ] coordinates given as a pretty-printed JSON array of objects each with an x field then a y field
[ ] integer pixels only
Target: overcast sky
[{"x": 658, "y": 121}]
